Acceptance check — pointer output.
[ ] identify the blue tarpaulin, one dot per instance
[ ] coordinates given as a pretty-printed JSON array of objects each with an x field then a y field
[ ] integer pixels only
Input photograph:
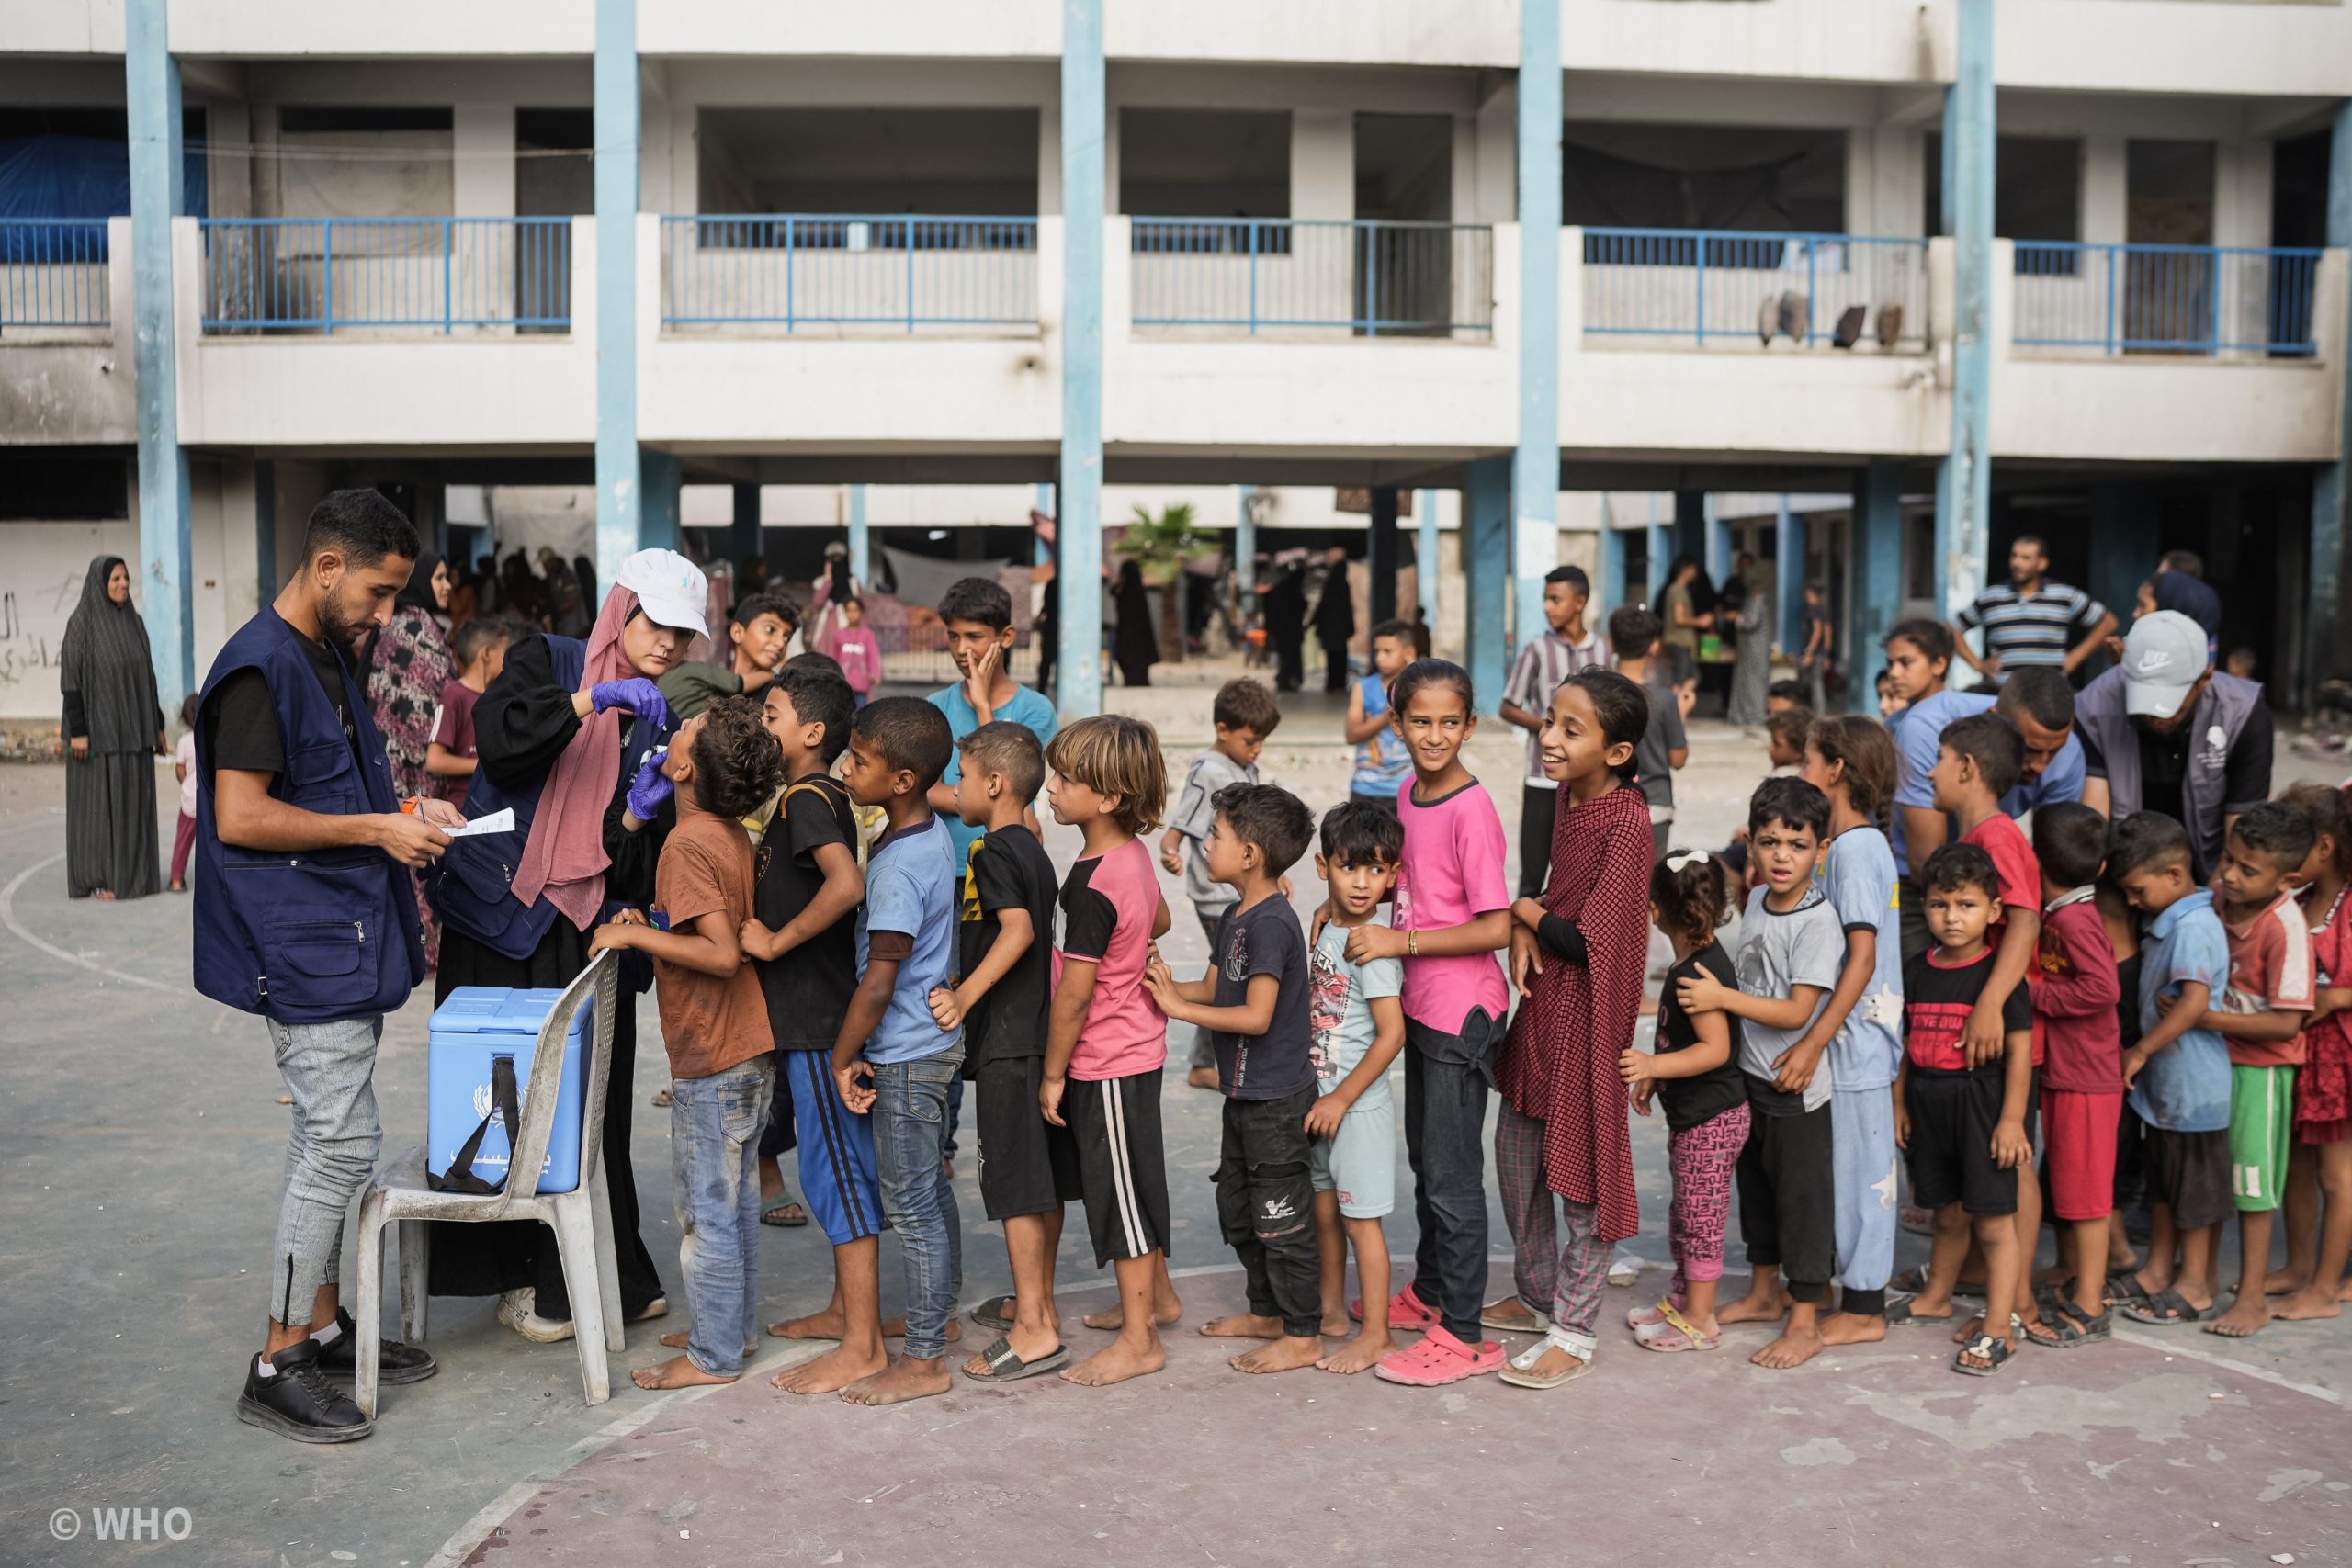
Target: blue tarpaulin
[{"x": 73, "y": 176}]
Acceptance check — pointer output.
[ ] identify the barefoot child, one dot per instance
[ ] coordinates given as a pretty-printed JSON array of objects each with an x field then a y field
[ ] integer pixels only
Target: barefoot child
[
  {"x": 1852, "y": 761},
  {"x": 2260, "y": 1016},
  {"x": 1028, "y": 1166},
  {"x": 721, "y": 765},
  {"x": 1359, "y": 1023},
  {"x": 2321, "y": 1161},
  {"x": 2074, "y": 987},
  {"x": 1106, "y": 1039},
  {"x": 1790, "y": 948},
  {"x": 1692, "y": 1072},
  {"x": 1578, "y": 956},
  {"x": 1244, "y": 714},
  {"x": 2176, "y": 1079},
  {"x": 1449, "y": 914},
  {"x": 1255, "y": 1001},
  {"x": 803, "y": 944},
  {"x": 1961, "y": 1121}
]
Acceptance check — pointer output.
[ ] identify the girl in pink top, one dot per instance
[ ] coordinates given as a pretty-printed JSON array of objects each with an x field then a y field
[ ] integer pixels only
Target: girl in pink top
[
  {"x": 1451, "y": 915},
  {"x": 848, "y": 641}
]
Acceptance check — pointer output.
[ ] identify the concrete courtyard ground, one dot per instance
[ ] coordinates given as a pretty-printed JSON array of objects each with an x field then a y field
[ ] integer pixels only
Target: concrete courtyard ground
[{"x": 141, "y": 1143}]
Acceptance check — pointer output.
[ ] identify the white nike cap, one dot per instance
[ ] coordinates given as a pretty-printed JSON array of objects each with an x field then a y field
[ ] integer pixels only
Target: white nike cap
[
  {"x": 669, "y": 589},
  {"x": 2163, "y": 657}
]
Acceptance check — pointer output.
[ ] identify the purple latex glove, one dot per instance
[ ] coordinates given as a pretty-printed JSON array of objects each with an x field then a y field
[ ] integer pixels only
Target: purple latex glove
[
  {"x": 650, "y": 788},
  {"x": 637, "y": 695}
]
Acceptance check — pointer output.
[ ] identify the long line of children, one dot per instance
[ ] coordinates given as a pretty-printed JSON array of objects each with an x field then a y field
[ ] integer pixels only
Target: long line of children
[{"x": 1796, "y": 1072}]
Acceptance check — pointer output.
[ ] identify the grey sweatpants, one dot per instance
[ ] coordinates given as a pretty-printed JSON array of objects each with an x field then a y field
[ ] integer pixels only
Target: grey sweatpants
[{"x": 330, "y": 1072}]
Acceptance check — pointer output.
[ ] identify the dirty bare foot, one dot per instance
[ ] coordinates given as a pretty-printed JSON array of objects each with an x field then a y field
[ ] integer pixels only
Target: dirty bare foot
[
  {"x": 904, "y": 1379},
  {"x": 895, "y": 1328},
  {"x": 1285, "y": 1354},
  {"x": 832, "y": 1371},
  {"x": 677, "y": 1341},
  {"x": 1795, "y": 1347},
  {"x": 1202, "y": 1078},
  {"x": 1243, "y": 1325},
  {"x": 826, "y": 1324},
  {"x": 2308, "y": 1302},
  {"x": 2285, "y": 1282},
  {"x": 1359, "y": 1354},
  {"x": 1769, "y": 1305},
  {"x": 2246, "y": 1315},
  {"x": 1117, "y": 1362},
  {"x": 1853, "y": 1328},
  {"x": 1113, "y": 1318},
  {"x": 678, "y": 1372}
]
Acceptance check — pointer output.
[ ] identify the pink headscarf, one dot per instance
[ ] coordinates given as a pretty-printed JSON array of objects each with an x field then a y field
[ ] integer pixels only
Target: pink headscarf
[{"x": 564, "y": 859}]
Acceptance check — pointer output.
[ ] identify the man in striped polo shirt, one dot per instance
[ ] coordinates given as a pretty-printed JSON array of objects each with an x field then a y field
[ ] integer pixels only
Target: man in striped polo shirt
[
  {"x": 2030, "y": 619},
  {"x": 1566, "y": 645}
]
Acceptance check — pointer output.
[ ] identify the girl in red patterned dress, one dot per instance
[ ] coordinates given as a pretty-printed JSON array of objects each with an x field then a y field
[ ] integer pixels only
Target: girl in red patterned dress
[
  {"x": 1577, "y": 956},
  {"x": 2311, "y": 1284}
]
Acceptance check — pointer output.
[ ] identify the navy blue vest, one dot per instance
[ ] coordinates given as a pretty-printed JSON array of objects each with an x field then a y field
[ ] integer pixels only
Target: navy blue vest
[
  {"x": 307, "y": 936},
  {"x": 472, "y": 887}
]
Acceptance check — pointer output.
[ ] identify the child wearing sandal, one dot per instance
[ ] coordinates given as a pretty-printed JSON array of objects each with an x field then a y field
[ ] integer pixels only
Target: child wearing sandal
[
  {"x": 1578, "y": 956},
  {"x": 1962, "y": 1125},
  {"x": 2074, "y": 986},
  {"x": 1691, "y": 1072},
  {"x": 2177, "y": 1077},
  {"x": 1451, "y": 913},
  {"x": 2321, "y": 1161}
]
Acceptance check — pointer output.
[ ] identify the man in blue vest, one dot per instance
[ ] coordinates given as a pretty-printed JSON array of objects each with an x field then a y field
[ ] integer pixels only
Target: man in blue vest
[{"x": 305, "y": 915}]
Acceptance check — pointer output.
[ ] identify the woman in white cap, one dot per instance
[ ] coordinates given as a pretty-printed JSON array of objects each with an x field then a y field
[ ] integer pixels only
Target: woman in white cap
[{"x": 568, "y": 736}]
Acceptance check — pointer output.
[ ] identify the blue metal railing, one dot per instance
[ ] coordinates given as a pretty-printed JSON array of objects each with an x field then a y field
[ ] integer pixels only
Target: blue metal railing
[
  {"x": 1367, "y": 277},
  {"x": 1730, "y": 284},
  {"x": 796, "y": 270},
  {"x": 2165, "y": 299},
  {"x": 53, "y": 272},
  {"x": 328, "y": 275}
]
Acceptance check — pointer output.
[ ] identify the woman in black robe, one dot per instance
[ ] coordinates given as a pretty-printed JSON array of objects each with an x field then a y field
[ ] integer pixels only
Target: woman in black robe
[
  {"x": 1134, "y": 645},
  {"x": 114, "y": 731}
]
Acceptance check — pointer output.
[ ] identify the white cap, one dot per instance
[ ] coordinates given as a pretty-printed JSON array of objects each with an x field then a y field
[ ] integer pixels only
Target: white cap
[
  {"x": 2164, "y": 656},
  {"x": 669, "y": 589}
]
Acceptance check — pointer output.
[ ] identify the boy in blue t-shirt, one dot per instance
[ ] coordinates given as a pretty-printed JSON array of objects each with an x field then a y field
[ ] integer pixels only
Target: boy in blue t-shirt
[
  {"x": 892, "y": 1061},
  {"x": 1380, "y": 764},
  {"x": 2177, "y": 1075},
  {"x": 977, "y": 615}
]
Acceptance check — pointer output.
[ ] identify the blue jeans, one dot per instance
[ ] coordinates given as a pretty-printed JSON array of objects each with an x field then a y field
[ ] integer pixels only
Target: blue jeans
[
  {"x": 715, "y": 1126},
  {"x": 910, "y": 1146}
]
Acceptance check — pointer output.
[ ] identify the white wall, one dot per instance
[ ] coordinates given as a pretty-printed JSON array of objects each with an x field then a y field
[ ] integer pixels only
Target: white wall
[{"x": 46, "y": 564}]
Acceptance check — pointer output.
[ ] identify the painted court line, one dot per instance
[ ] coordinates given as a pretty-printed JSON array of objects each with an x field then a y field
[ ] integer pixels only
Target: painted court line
[
  {"x": 2190, "y": 1350},
  {"x": 8, "y": 919}
]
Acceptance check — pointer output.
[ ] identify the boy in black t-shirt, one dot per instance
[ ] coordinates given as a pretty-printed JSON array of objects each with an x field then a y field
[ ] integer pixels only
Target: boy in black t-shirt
[
  {"x": 1003, "y": 974},
  {"x": 803, "y": 938},
  {"x": 1962, "y": 1128},
  {"x": 1255, "y": 1001}
]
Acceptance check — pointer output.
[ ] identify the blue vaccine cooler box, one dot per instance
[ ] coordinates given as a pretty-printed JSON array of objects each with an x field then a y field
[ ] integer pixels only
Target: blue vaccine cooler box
[{"x": 475, "y": 1026}]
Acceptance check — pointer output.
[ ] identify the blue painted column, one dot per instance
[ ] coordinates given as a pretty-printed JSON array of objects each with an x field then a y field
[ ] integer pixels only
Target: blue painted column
[
  {"x": 1659, "y": 547},
  {"x": 165, "y": 576},
  {"x": 2332, "y": 486},
  {"x": 861, "y": 546},
  {"x": 1486, "y": 567},
  {"x": 619, "y": 483},
  {"x": 1425, "y": 555},
  {"x": 1043, "y": 504},
  {"x": 1535, "y": 465},
  {"x": 1608, "y": 585},
  {"x": 1874, "y": 590},
  {"x": 1964, "y": 478},
  {"x": 1718, "y": 556},
  {"x": 1083, "y": 203},
  {"x": 1245, "y": 548},
  {"x": 1788, "y": 577},
  {"x": 659, "y": 474}
]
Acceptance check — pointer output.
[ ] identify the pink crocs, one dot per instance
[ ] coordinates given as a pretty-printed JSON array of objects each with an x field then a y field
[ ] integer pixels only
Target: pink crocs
[
  {"x": 1406, "y": 1313},
  {"x": 1438, "y": 1358}
]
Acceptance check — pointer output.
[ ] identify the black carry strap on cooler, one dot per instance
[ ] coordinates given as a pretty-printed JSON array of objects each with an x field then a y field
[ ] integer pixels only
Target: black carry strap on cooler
[{"x": 460, "y": 1176}]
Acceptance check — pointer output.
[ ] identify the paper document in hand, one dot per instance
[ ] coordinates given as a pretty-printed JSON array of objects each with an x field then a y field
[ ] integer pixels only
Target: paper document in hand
[{"x": 496, "y": 822}]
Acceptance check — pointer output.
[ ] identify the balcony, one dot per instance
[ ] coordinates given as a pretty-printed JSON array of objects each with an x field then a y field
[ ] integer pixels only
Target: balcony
[
  {"x": 68, "y": 373},
  {"x": 845, "y": 275},
  {"x": 53, "y": 273},
  {"x": 479, "y": 275},
  {"x": 1296, "y": 277},
  {"x": 2184, "y": 299},
  {"x": 1726, "y": 289}
]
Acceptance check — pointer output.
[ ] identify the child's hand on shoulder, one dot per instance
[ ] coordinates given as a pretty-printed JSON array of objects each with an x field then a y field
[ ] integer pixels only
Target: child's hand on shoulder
[
  {"x": 2011, "y": 1150},
  {"x": 1700, "y": 993},
  {"x": 1367, "y": 942},
  {"x": 855, "y": 1083},
  {"x": 1324, "y": 1117},
  {"x": 946, "y": 1010}
]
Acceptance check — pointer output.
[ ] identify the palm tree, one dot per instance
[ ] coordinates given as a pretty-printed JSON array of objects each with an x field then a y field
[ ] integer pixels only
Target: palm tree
[{"x": 1161, "y": 546}]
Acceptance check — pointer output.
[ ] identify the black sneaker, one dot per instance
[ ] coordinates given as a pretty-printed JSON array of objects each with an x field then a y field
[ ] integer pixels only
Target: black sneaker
[
  {"x": 298, "y": 1402},
  {"x": 395, "y": 1362}
]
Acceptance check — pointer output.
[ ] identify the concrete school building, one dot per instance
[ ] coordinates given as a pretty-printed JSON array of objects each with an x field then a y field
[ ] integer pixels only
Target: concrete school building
[{"x": 1931, "y": 276}]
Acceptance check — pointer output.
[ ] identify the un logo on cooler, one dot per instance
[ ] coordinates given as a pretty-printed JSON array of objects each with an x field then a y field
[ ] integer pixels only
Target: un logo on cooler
[{"x": 483, "y": 1107}]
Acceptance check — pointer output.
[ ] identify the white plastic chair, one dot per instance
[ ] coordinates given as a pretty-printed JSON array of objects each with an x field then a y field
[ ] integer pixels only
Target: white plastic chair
[{"x": 582, "y": 1219}]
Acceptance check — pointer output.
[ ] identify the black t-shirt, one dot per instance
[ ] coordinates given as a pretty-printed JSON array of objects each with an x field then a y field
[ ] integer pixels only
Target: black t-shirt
[
  {"x": 242, "y": 717},
  {"x": 1938, "y": 999},
  {"x": 807, "y": 988},
  {"x": 1009, "y": 870},
  {"x": 1264, "y": 939},
  {"x": 1692, "y": 1101},
  {"x": 2164, "y": 766}
]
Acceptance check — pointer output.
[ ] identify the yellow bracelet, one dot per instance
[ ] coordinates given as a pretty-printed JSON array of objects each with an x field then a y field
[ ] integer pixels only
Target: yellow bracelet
[{"x": 1412, "y": 944}]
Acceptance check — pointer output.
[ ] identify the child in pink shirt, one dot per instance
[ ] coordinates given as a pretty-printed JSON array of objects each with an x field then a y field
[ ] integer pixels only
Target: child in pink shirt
[{"x": 849, "y": 642}]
